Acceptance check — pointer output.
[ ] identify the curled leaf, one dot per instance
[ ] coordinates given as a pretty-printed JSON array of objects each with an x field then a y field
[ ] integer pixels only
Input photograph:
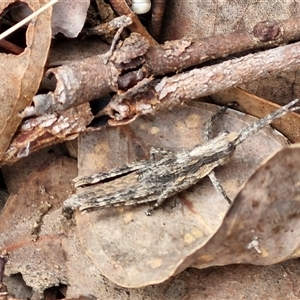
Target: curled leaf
[
  {"x": 20, "y": 75},
  {"x": 262, "y": 227}
]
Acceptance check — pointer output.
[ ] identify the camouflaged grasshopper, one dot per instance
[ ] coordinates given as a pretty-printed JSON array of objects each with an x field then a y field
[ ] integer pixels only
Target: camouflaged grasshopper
[{"x": 156, "y": 180}]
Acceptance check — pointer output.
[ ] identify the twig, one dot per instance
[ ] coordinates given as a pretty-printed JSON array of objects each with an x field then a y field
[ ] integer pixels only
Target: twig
[
  {"x": 175, "y": 56},
  {"x": 158, "y": 8},
  {"x": 88, "y": 79},
  {"x": 171, "y": 91},
  {"x": 40, "y": 132},
  {"x": 12, "y": 48},
  {"x": 105, "y": 28},
  {"x": 121, "y": 7},
  {"x": 74, "y": 84}
]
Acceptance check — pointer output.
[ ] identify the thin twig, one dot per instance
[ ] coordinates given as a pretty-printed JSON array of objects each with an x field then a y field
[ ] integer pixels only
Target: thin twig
[
  {"x": 12, "y": 48},
  {"x": 175, "y": 56},
  {"x": 121, "y": 7},
  {"x": 158, "y": 8}
]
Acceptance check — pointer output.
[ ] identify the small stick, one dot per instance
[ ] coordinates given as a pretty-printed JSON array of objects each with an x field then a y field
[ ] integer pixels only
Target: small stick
[
  {"x": 121, "y": 7},
  {"x": 26, "y": 20},
  {"x": 158, "y": 8},
  {"x": 11, "y": 47}
]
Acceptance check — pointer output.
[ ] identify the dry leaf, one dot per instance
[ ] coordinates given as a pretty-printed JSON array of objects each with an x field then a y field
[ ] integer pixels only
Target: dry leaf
[
  {"x": 134, "y": 250},
  {"x": 14, "y": 175},
  {"x": 231, "y": 282},
  {"x": 259, "y": 107},
  {"x": 32, "y": 227},
  {"x": 197, "y": 19},
  {"x": 20, "y": 75},
  {"x": 118, "y": 143},
  {"x": 56, "y": 256},
  {"x": 69, "y": 17},
  {"x": 262, "y": 227}
]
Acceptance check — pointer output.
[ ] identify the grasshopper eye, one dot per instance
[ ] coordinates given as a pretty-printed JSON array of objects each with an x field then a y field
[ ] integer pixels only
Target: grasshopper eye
[{"x": 141, "y": 6}]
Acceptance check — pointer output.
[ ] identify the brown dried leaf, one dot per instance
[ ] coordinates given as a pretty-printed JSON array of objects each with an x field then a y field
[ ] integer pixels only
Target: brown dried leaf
[
  {"x": 259, "y": 107},
  {"x": 14, "y": 175},
  {"x": 197, "y": 19},
  {"x": 134, "y": 250},
  {"x": 32, "y": 227},
  {"x": 262, "y": 227},
  {"x": 92, "y": 282},
  {"x": 234, "y": 282},
  {"x": 118, "y": 143},
  {"x": 20, "y": 75},
  {"x": 56, "y": 256}
]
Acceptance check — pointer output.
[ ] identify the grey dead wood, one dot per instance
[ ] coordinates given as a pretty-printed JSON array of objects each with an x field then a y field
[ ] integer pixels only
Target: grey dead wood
[
  {"x": 92, "y": 78},
  {"x": 46, "y": 130},
  {"x": 172, "y": 91}
]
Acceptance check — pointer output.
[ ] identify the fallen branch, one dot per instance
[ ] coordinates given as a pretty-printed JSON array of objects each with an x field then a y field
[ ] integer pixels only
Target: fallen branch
[
  {"x": 175, "y": 56},
  {"x": 88, "y": 79},
  {"x": 121, "y": 7},
  {"x": 49, "y": 129},
  {"x": 134, "y": 60},
  {"x": 171, "y": 91}
]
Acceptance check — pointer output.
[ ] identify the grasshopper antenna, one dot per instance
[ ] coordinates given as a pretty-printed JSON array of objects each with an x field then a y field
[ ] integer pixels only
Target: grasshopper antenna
[{"x": 261, "y": 123}]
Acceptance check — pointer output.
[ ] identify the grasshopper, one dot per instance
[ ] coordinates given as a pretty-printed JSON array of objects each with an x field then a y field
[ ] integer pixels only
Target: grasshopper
[{"x": 156, "y": 180}]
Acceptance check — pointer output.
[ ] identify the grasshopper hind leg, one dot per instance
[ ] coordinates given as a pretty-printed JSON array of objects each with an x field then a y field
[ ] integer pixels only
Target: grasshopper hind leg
[{"x": 207, "y": 136}]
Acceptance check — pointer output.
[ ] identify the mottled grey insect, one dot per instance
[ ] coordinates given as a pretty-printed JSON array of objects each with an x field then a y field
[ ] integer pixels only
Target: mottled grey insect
[{"x": 157, "y": 180}]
